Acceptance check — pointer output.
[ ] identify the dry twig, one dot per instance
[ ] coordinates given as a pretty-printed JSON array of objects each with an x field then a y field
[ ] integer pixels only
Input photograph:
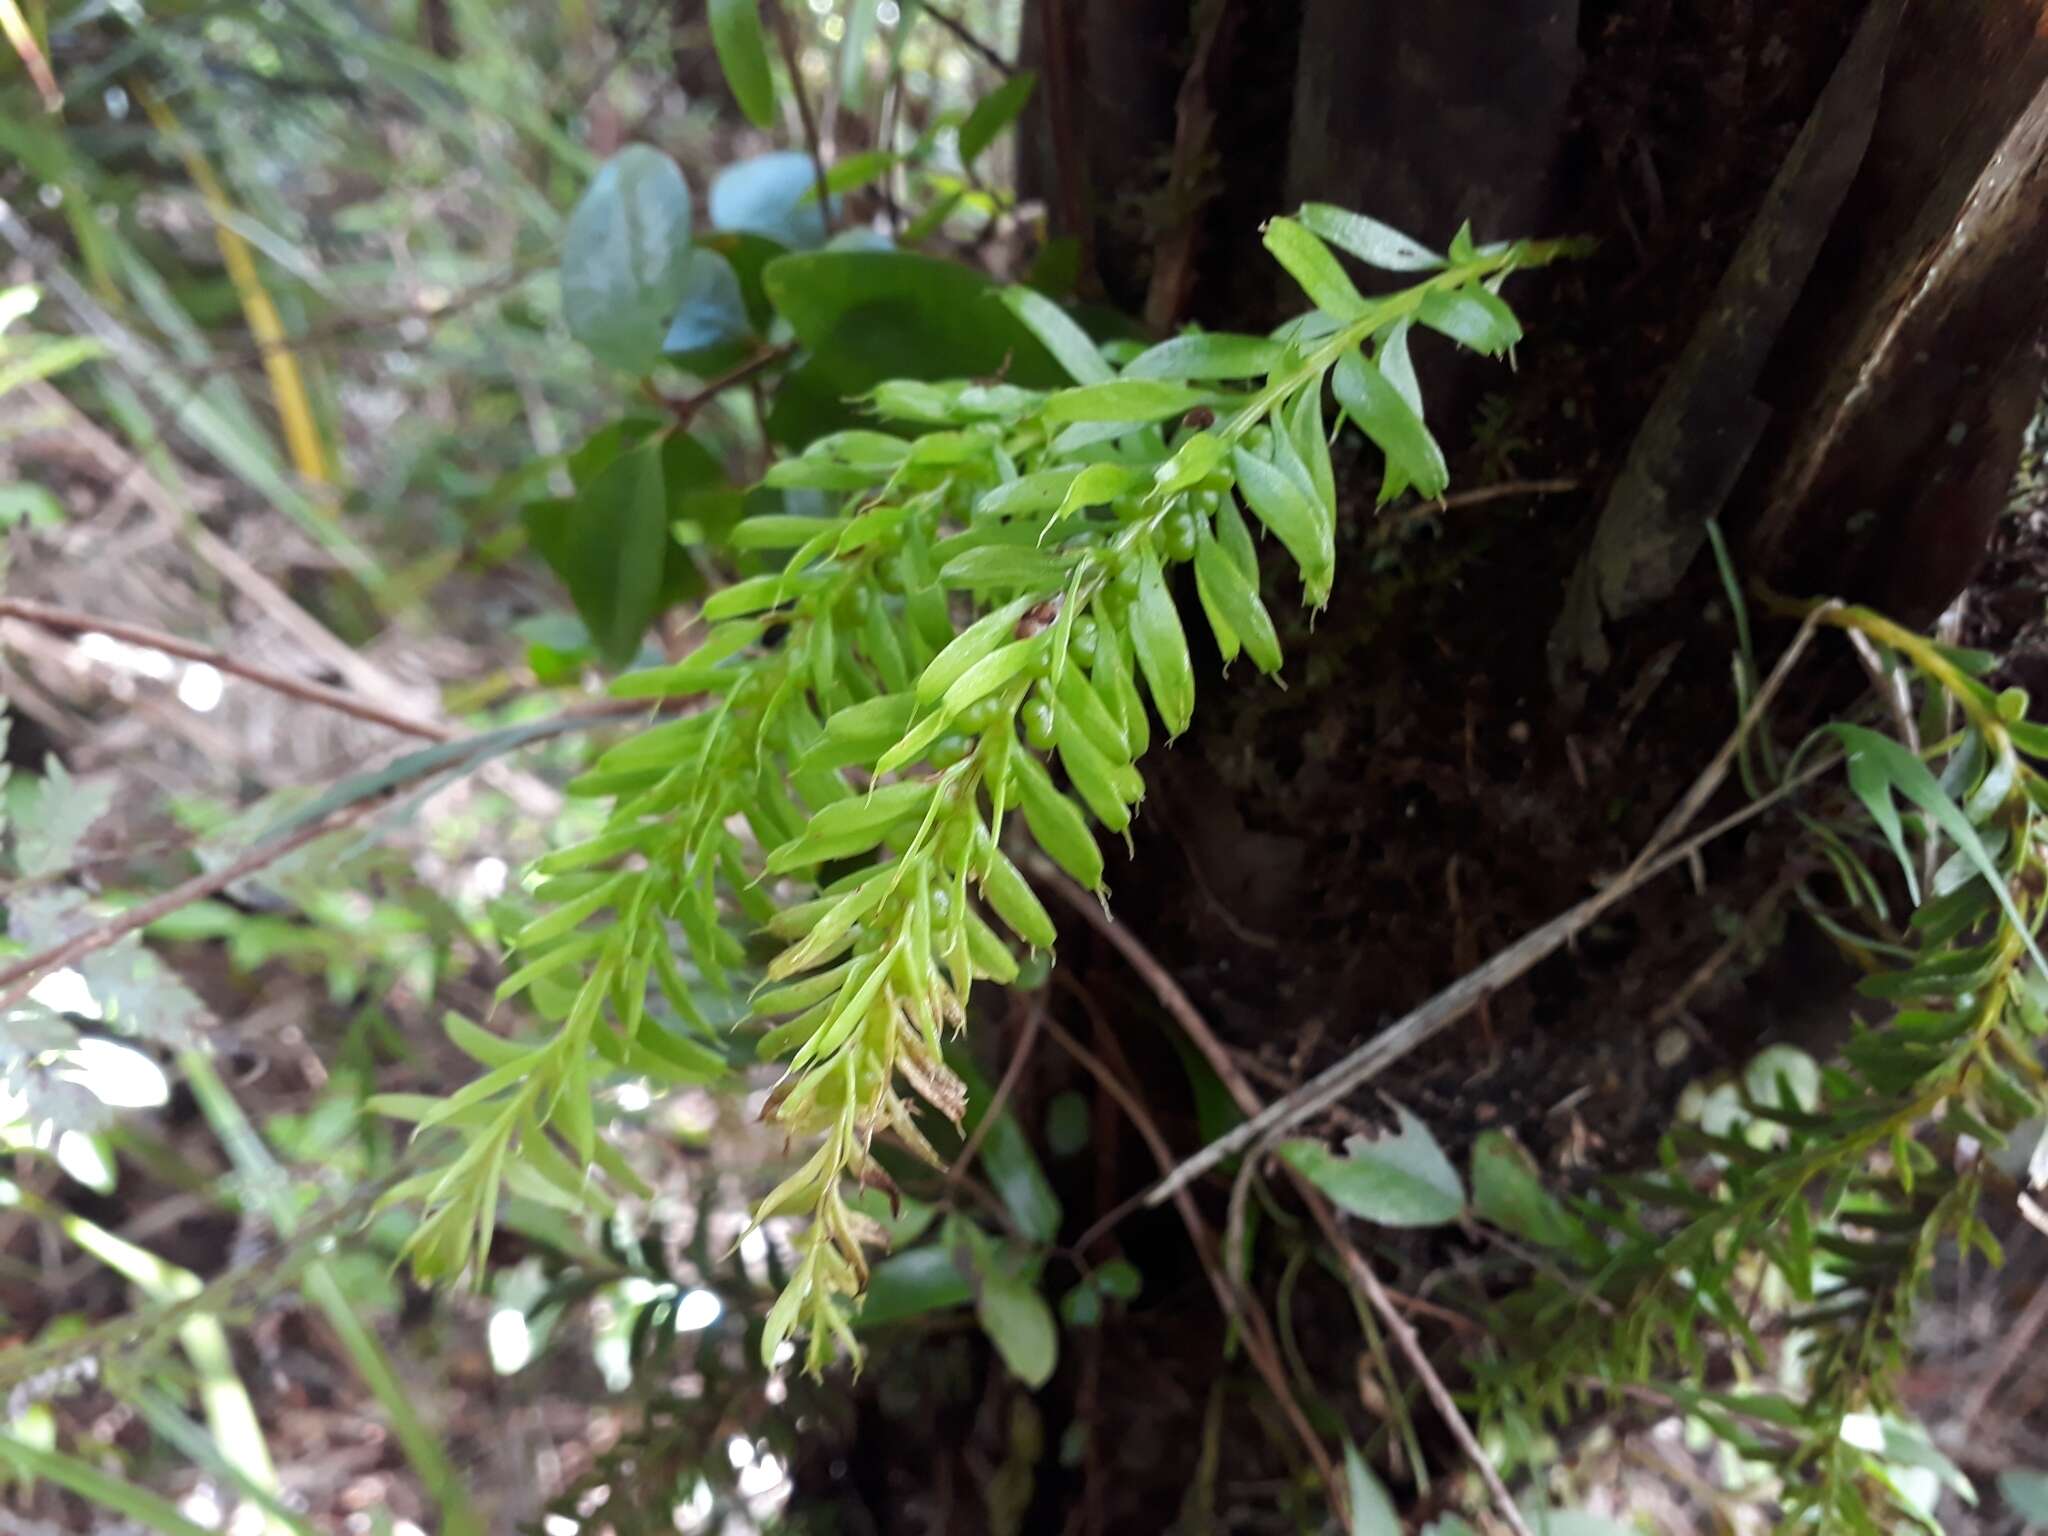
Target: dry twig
[{"x": 69, "y": 621}]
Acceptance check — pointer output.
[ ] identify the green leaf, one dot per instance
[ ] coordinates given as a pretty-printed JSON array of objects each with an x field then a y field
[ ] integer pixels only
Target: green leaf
[
  {"x": 1006, "y": 1156},
  {"x": 773, "y": 196},
  {"x": 1207, "y": 355},
  {"x": 1372, "y": 401},
  {"x": 848, "y": 827},
  {"x": 479, "y": 1044},
  {"x": 626, "y": 257},
  {"x": 1020, "y": 1325},
  {"x": 914, "y": 1283},
  {"x": 1401, "y": 1180},
  {"x": 1315, "y": 267},
  {"x": 1162, "y": 648},
  {"x": 870, "y": 317},
  {"x": 1372, "y": 1512},
  {"x": 2025, "y": 1491},
  {"x": 1375, "y": 244},
  {"x": 1065, "y": 340},
  {"x": 1081, "y": 1307},
  {"x": 978, "y": 640},
  {"x": 1005, "y": 889},
  {"x": 1067, "y": 1125},
  {"x": 1472, "y": 316},
  {"x": 65, "y": 810},
  {"x": 1284, "y": 506},
  {"x": 712, "y": 312},
  {"x": 1056, "y": 823},
  {"x": 610, "y": 548},
  {"x": 1119, "y": 1278},
  {"x": 1003, "y": 565},
  {"x": 1225, "y": 591},
  {"x": 993, "y": 113},
  {"x": 1124, "y": 400},
  {"x": 855, "y": 170},
  {"x": 1508, "y": 1190},
  {"x": 743, "y": 55},
  {"x": 1910, "y": 777}
]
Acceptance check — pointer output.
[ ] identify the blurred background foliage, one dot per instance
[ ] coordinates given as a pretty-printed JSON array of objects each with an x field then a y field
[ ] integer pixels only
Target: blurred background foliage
[{"x": 285, "y": 371}]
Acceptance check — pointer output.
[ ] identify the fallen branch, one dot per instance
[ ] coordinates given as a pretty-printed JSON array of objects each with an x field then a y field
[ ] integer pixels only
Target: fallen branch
[
  {"x": 1258, "y": 1337},
  {"x": 1176, "y": 1002},
  {"x": 1425, "y": 1023},
  {"x": 68, "y": 621},
  {"x": 19, "y": 978},
  {"x": 968, "y": 40}
]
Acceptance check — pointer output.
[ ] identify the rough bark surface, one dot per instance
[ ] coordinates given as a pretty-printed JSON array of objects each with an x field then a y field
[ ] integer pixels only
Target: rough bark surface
[{"x": 1312, "y": 861}]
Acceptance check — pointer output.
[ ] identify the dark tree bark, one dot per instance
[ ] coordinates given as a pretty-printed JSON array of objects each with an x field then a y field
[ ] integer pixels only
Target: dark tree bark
[{"x": 1312, "y": 862}]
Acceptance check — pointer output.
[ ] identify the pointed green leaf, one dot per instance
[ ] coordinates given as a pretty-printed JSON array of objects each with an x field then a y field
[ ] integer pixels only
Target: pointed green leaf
[
  {"x": 1375, "y": 244},
  {"x": 1207, "y": 355},
  {"x": 1066, "y": 341},
  {"x": 1472, "y": 316},
  {"x": 993, "y": 113},
  {"x": 742, "y": 51},
  {"x": 1284, "y": 506},
  {"x": 970, "y": 646},
  {"x": 1119, "y": 400},
  {"x": 1162, "y": 648},
  {"x": 1370, "y": 399},
  {"x": 1315, "y": 267}
]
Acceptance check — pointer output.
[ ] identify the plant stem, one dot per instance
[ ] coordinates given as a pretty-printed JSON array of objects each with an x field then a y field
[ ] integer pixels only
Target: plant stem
[{"x": 785, "y": 38}]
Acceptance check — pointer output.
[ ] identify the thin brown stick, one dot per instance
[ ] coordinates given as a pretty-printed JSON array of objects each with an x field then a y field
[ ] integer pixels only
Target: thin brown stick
[
  {"x": 1433, "y": 1384},
  {"x": 67, "y": 621},
  {"x": 19, "y": 977},
  {"x": 1479, "y": 495},
  {"x": 1176, "y": 1002},
  {"x": 1258, "y": 1335},
  {"x": 687, "y": 406},
  {"x": 1034, "y": 1016},
  {"x": 2014, "y": 1347},
  {"x": 785, "y": 39},
  {"x": 1716, "y": 771},
  {"x": 1425, "y": 1023},
  {"x": 968, "y": 40}
]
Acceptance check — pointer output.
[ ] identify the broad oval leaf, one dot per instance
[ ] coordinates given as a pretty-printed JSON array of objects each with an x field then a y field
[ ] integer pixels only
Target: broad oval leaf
[
  {"x": 772, "y": 195},
  {"x": 1020, "y": 1325},
  {"x": 610, "y": 545},
  {"x": 1400, "y": 1180},
  {"x": 713, "y": 311},
  {"x": 1372, "y": 1511},
  {"x": 626, "y": 257}
]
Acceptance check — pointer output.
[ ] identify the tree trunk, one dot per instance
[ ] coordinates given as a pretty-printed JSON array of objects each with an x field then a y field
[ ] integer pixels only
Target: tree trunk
[{"x": 1450, "y": 764}]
